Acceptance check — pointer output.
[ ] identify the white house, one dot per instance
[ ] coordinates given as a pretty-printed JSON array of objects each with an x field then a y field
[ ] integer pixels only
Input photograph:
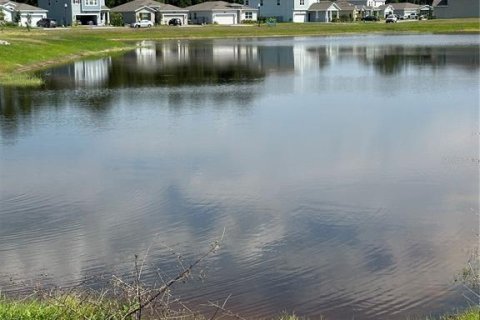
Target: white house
[
  {"x": 154, "y": 11},
  {"x": 67, "y": 12},
  {"x": 405, "y": 8},
  {"x": 221, "y": 12},
  {"x": 25, "y": 12},
  {"x": 447, "y": 9},
  {"x": 386, "y": 10}
]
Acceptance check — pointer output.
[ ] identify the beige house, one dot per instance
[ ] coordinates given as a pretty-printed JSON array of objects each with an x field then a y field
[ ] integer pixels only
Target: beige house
[{"x": 348, "y": 11}]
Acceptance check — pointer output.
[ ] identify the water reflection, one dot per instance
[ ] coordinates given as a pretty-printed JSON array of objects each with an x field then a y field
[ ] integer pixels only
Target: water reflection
[{"x": 344, "y": 190}]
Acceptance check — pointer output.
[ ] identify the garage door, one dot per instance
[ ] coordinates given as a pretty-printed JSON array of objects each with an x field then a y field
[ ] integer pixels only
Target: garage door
[
  {"x": 299, "y": 17},
  {"x": 224, "y": 18}
]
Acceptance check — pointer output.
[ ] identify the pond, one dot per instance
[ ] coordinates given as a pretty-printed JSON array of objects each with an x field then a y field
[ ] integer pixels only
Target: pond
[{"x": 343, "y": 172}]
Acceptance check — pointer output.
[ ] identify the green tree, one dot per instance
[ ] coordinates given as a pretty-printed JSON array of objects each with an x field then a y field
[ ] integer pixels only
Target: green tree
[
  {"x": 116, "y": 19},
  {"x": 2, "y": 20}
]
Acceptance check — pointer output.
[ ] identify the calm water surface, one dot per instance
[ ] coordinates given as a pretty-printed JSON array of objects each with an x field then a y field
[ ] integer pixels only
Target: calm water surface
[{"x": 344, "y": 171}]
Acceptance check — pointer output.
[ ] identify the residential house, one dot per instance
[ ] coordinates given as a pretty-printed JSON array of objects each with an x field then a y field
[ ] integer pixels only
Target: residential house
[
  {"x": 348, "y": 11},
  {"x": 221, "y": 12},
  {"x": 448, "y": 9},
  {"x": 323, "y": 11},
  {"x": 405, "y": 9},
  {"x": 299, "y": 10},
  {"x": 386, "y": 10},
  {"x": 27, "y": 14},
  {"x": 68, "y": 12},
  {"x": 156, "y": 12}
]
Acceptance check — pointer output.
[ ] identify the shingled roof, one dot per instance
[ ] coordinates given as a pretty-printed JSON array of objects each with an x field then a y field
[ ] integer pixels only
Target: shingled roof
[
  {"x": 22, "y": 6},
  {"x": 322, "y": 6},
  {"x": 345, "y": 5},
  {"x": 218, "y": 5},
  {"x": 137, "y": 4},
  {"x": 404, "y": 5}
]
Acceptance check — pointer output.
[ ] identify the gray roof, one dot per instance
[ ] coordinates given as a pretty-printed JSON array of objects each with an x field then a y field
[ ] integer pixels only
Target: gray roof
[
  {"x": 439, "y": 3},
  {"x": 345, "y": 5},
  {"x": 134, "y": 5},
  {"x": 404, "y": 5},
  {"x": 322, "y": 6},
  {"x": 218, "y": 5},
  {"x": 22, "y": 6}
]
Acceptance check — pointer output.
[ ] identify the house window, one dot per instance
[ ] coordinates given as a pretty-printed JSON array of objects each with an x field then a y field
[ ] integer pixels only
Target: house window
[
  {"x": 261, "y": 2},
  {"x": 195, "y": 15},
  {"x": 278, "y": 2},
  {"x": 248, "y": 15},
  {"x": 91, "y": 2},
  {"x": 302, "y": 2},
  {"x": 145, "y": 16},
  {"x": 247, "y": 2},
  {"x": 76, "y": 1}
]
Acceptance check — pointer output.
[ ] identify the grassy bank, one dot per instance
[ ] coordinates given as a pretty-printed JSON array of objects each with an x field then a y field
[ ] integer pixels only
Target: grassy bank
[
  {"x": 41, "y": 48},
  {"x": 80, "y": 307}
]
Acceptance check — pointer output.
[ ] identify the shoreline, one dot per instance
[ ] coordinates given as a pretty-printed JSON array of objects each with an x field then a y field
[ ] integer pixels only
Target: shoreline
[{"x": 37, "y": 49}]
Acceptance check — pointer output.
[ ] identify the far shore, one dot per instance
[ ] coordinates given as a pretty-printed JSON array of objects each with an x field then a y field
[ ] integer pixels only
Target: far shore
[{"x": 25, "y": 50}]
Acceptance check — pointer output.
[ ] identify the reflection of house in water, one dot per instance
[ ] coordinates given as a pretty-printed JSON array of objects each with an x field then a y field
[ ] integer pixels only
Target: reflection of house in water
[
  {"x": 92, "y": 73},
  {"x": 146, "y": 57},
  {"x": 87, "y": 73}
]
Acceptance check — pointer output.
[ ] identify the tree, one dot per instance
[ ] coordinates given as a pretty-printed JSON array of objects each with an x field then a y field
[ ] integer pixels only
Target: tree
[
  {"x": 116, "y": 19},
  {"x": 2, "y": 20}
]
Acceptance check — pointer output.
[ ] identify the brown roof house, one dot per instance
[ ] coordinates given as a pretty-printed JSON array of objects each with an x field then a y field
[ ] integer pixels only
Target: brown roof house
[
  {"x": 154, "y": 11},
  {"x": 221, "y": 12}
]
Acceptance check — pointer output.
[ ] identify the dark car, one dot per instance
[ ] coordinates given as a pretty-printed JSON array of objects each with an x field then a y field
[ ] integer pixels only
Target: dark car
[
  {"x": 47, "y": 23},
  {"x": 175, "y": 22},
  {"x": 370, "y": 18}
]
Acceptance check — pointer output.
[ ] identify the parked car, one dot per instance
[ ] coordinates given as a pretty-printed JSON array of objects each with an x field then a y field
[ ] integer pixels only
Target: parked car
[
  {"x": 47, "y": 23},
  {"x": 142, "y": 24},
  {"x": 413, "y": 16},
  {"x": 391, "y": 19},
  {"x": 175, "y": 22},
  {"x": 370, "y": 18}
]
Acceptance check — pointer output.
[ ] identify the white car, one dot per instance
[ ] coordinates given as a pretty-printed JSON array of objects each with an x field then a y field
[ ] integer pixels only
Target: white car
[
  {"x": 142, "y": 24},
  {"x": 391, "y": 19}
]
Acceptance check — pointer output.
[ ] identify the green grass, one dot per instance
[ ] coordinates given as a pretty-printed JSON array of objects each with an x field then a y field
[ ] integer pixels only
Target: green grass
[
  {"x": 37, "y": 49},
  {"x": 71, "y": 307},
  {"x": 92, "y": 307},
  {"x": 471, "y": 314}
]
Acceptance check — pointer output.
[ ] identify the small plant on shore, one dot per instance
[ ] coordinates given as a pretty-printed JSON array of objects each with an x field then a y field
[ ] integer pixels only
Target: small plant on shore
[{"x": 124, "y": 300}]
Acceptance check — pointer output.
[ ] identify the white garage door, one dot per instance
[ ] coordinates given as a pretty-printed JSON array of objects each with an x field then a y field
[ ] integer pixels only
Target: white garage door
[
  {"x": 299, "y": 17},
  {"x": 224, "y": 18}
]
